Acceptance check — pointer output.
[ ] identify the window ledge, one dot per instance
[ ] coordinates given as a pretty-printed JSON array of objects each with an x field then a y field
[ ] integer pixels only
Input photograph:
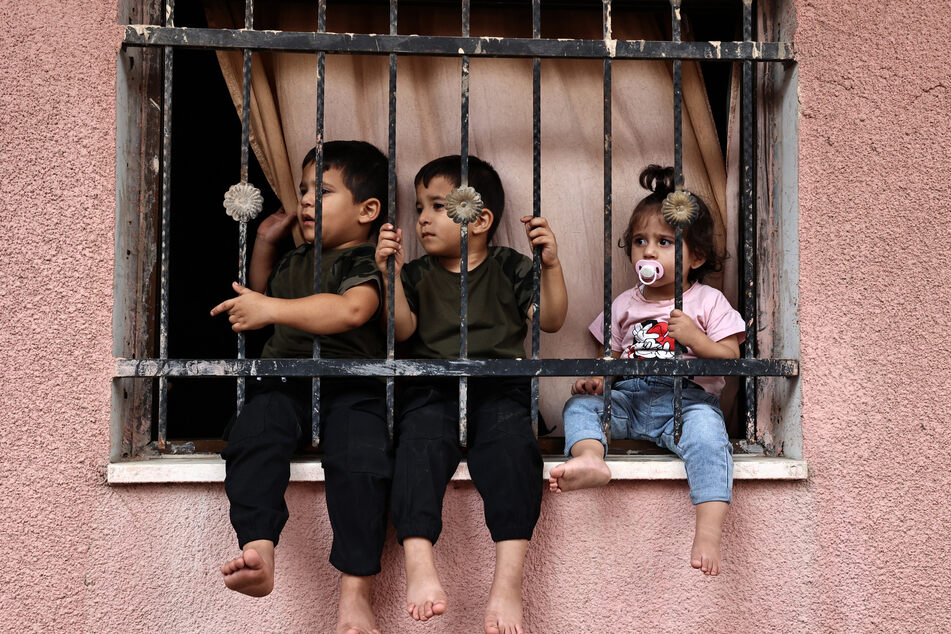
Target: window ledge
[{"x": 205, "y": 468}]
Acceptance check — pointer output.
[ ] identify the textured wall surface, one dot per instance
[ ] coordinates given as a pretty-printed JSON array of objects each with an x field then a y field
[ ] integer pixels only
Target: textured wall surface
[{"x": 860, "y": 546}]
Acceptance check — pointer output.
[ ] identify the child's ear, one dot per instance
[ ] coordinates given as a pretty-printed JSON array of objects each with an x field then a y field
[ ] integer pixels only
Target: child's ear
[
  {"x": 483, "y": 223},
  {"x": 369, "y": 210},
  {"x": 697, "y": 260}
]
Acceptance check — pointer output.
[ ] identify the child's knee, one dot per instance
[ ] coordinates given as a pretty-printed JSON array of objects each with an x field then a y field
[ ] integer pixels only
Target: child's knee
[
  {"x": 582, "y": 418},
  {"x": 704, "y": 425},
  {"x": 272, "y": 416},
  {"x": 582, "y": 407}
]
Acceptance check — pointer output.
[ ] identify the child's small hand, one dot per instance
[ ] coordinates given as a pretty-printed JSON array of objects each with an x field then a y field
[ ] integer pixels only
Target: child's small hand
[
  {"x": 247, "y": 311},
  {"x": 682, "y": 328},
  {"x": 540, "y": 234},
  {"x": 591, "y": 385},
  {"x": 276, "y": 227},
  {"x": 389, "y": 243}
]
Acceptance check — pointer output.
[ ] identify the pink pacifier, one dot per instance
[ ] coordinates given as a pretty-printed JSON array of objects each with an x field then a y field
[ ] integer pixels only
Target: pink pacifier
[{"x": 649, "y": 271}]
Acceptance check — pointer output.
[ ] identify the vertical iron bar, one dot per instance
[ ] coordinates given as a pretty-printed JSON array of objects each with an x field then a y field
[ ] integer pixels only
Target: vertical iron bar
[
  {"x": 318, "y": 214},
  {"x": 464, "y": 240},
  {"x": 536, "y": 202},
  {"x": 243, "y": 226},
  {"x": 678, "y": 233},
  {"x": 747, "y": 155},
  {"x": 391, "y": 219},
  {"x": 608, "y": 147},
  {"x": 168, "y": 58}
]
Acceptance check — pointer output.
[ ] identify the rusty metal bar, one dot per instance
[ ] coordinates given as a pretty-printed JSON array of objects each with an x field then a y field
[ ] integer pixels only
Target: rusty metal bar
[
  {"x": 168, "y": 58},
  {"x": 464, "y": 240},
  {"x": 608, "y": 222},
  {"x": 747, "y": 183},
  {"x": 449, "y": 46},
  {"x": 243, "y": 225},
  {"x": 159, "y": 367},
  {"x": 318, "y": 215},
  {"x": 678, "y": 231},
  {"x": 536, "y": 203},
  {"x": 391, "y": 218}
]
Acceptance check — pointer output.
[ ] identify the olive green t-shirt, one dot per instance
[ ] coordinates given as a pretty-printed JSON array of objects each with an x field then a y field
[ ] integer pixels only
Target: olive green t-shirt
[
  {"x": 500, "y": 293},
  {"x": 340, "y": 270}
]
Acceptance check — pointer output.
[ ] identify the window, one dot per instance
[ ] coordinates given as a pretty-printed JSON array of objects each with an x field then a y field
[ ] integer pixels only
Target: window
[{"x": 180, "y": 147}]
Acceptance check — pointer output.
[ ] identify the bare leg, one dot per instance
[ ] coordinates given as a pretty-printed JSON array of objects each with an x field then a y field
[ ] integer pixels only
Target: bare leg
[
  {"x": 253, "y": 572},
  {"x": 705, "y": 553},
  {"x": 354, "y": 611},
  {"x": 586, "y": 469},
  {"x": 425, "y": 597},
  {"x": 503, "y": 612}
]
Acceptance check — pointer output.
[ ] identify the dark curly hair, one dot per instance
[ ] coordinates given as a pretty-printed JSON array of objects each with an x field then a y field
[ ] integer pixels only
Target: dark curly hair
[{"x": 699, "y": 236}]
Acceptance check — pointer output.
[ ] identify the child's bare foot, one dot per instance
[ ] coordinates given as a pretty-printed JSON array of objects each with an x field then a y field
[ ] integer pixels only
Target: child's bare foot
[
  {"x": 503, "y": 612},
  {"x": 425, "y": 597},
  {"x": 253, "y": 572},
  {"x": 586, "y": 469},
  {"x": 705, "y": 552},
  {"x": 354, "y": 611}
]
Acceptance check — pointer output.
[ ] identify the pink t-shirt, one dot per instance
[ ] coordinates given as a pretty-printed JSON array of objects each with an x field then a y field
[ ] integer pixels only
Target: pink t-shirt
[{"x": 639, "y": 327}]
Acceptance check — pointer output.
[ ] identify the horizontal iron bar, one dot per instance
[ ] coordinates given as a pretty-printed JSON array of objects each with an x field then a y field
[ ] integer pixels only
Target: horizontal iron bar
[
  {"x": 144, "y": 35},
  {"x": 454, "y": 367}
]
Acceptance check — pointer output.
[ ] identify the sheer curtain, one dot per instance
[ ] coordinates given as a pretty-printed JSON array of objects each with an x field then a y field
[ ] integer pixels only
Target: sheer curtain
[{"x": 283, "y": 113}]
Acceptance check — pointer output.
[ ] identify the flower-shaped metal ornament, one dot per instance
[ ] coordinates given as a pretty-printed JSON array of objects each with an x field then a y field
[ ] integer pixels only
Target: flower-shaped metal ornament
[
  {"x": 243, "y": 202},
  {"x": 680, "y": 208},
  {"x": 464, "y": 204}
]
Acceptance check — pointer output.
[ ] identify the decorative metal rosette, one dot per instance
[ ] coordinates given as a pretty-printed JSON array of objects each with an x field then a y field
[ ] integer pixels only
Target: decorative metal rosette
[
  {"x": 464, "y": 204},
  {"x": 243, "y": 202},
  {"x": 680, "y": 208}
]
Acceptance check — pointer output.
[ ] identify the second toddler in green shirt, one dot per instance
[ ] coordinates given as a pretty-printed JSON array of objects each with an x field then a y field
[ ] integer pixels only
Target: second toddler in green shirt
[{"x": 503, "y": 456}]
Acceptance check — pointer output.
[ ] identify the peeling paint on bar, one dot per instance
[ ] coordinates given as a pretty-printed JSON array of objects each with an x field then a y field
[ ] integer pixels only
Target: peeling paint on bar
[
  {"x": 451, "y": 46},
  {"x": 454, "y": 367}
]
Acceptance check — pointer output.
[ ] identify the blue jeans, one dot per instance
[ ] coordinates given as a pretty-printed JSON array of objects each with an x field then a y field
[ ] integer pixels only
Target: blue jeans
[{"x": 643, "y": 408}]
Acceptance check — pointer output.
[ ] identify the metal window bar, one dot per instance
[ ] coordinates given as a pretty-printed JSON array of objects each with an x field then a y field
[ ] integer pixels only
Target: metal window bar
[
  {"x": 451, "y": 46},
  {"x": 608, "y": 222},
  {"x": 318, "y": 215},
  {"x": 391, "y": 218},
  {"x": 678, "y": 231},
  {"x": 536, "y": 202},
  {"x": 747, "y": 212},
  {"x": 464, "y": 239},
  {"x": 243, "y": 225},
  {"x": 747, "y": 51},
  {"x": 168, "y": 54}
]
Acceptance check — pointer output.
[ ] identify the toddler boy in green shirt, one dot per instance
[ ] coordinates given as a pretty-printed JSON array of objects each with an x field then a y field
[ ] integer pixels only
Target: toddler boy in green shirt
[
  {"x": 357, "y": 462},
  {"x": 503, "y": 456}
]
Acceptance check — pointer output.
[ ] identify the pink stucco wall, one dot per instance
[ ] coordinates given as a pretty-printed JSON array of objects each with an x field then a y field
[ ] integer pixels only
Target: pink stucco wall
[{"x": 860, "y": 546}]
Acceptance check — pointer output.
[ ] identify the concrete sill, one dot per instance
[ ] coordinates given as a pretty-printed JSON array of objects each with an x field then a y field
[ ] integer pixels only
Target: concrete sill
[{"x": 208, "y": 468}]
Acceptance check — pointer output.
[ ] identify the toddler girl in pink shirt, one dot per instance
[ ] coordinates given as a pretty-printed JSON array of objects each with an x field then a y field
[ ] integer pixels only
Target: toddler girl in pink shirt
[{"x": 644, "y": 324}]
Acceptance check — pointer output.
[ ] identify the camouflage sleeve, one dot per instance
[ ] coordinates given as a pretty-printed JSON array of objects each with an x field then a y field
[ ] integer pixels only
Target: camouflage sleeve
[
  {"x": 282, "y": 265},
  {"x": 357, "y": 267},
  {"x": 518, "y": 269},
  {"x": 411, "y": 275}
]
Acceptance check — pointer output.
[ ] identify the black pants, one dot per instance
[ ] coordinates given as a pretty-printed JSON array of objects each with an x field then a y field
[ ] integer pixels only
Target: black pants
[
  {"x": 358, "y": 464},
  {"x": 504, "y": 459}
]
